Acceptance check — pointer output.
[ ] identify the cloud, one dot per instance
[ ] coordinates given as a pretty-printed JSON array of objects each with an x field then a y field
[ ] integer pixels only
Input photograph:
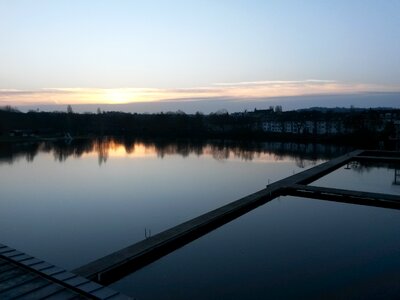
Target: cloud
[
  {"x": 234, "y": 91},
  {"x": 274, "y": 82}
]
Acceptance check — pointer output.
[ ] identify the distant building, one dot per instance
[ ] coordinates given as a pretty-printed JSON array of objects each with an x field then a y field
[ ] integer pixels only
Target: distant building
[{"x": 397, "y": 129}]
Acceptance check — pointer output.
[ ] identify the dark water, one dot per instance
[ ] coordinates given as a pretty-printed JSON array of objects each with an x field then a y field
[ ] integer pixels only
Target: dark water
[
  {"x": 290, "y": 248},
  {"x": 72, "y": 203}
]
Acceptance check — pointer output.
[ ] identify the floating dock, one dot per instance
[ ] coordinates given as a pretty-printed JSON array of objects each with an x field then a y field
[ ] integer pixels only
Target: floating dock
[
  {"x": 344, "y": 196},
  {"x": 118, "y": 264},
  {"x": 25, "y": 277}
]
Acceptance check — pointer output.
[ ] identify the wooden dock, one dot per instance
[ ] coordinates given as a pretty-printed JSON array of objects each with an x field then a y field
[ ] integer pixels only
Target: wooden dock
[
  {"x": 116, "y": 265},
  {"x": 25, "y": 277},
  {"x": 344, "y": 196},
  {"x": 378, "y": 156}
]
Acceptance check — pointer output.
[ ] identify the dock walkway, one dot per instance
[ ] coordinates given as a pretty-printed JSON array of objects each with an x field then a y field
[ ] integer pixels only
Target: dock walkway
[
  {"x": 344, "y": 196},
  {"x": 25, "y": 277},
  {"x": 40, "y": 277},
  {"x": 112, "y": 267}
]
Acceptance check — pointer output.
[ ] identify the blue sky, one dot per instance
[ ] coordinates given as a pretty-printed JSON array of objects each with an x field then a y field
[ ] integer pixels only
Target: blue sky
[{"x": 116, "y": 49}]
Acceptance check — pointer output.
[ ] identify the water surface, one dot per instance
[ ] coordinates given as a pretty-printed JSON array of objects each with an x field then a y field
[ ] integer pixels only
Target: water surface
[
  {"x": 72, "y": 203},
  {"x": 290, "y": 248}
]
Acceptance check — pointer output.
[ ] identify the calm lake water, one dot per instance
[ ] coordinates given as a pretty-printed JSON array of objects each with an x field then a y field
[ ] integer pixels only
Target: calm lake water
[
  {"x": 289, "y": 248},
  {"x": 72, "y": 203}
]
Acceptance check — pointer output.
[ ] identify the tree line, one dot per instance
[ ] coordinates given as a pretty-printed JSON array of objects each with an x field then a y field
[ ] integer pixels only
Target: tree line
[{"x": 245, "y": 125}]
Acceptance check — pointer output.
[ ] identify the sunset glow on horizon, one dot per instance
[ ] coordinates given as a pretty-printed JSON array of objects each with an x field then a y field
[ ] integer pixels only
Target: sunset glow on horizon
[
  {"x": 239, "y": 91},
  {"x": 125, "y": 52}
]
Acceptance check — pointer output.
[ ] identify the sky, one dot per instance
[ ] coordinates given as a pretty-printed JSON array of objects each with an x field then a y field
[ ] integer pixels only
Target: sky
[{"x": 117, "y": 52}]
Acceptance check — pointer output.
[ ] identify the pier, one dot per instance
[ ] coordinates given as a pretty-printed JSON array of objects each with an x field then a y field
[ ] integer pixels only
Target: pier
[
  {"x": 120, "y": 263},
  {"x": 25, "y": 277},
  {"x": 344, "y": 196}
]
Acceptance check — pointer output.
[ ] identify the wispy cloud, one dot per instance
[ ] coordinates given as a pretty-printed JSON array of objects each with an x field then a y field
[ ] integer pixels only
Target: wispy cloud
[
  {"x": 236, "y": 90},
  {"x": 274, "y": 82}
]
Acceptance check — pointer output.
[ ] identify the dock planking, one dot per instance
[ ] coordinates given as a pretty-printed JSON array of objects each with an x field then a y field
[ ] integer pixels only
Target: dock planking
[
  {"x": 379, "y": 156},
  {"x": 118, "y": 264},
  {"x": 25, "y": 277},
  {"x": 365, "y": 158},
  {"x": 344, "y": 196}
]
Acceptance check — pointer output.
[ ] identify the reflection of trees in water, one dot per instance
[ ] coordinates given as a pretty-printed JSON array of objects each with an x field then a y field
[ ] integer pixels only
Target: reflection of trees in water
[
  {"x": 303, "y": 163},
  {"x": 307, "y": 154},
  {"x": 220, "y": 153},
  {"x": 244, "y": 154},
  {"x": 11, "y": 152},
  {"x": 304, "y": 154},
  {"x": 61, "y": 150},
  {"x": 366, "y": 167},
  {"x": 129, "y": 146},
  {"x": 102, "y": 148},
  {"x": 164, "y": 148}
]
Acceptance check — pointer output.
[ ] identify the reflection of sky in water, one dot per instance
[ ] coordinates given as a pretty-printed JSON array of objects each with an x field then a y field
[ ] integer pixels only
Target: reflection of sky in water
[
  {"x": 107, "y": 147},
  {"x": 72, "y": 212},
  {"x": 70, "y": 204},
  {"x": 289, "y": 248},
  {"x": 375, "y": 178}
]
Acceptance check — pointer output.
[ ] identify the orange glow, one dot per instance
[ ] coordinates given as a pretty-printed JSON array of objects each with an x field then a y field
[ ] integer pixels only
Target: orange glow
[
  {"x": 239, "y": 90},
  {"x": 115, "y": 150},
  {"x": 118, "y": 97}
]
